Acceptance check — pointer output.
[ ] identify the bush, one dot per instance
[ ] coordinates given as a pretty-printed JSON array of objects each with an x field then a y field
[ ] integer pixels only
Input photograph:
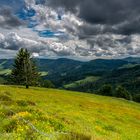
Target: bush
[
  {"x": 121, "y": 92},
  {"x": 106, "y": 90},
  {"x": 137, "y": 98},
  {"x": 47, "y": 84}
]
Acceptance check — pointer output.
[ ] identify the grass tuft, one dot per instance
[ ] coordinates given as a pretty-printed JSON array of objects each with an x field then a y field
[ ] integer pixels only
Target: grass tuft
[
  {"x": 5, "y": 98},
  {"x": 25, "y": 103},
  {"x": 74, "y": 136}
]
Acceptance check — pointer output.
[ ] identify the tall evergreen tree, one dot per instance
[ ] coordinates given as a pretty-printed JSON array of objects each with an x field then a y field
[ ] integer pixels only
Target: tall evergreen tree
[{"x": 24, "y": 70}]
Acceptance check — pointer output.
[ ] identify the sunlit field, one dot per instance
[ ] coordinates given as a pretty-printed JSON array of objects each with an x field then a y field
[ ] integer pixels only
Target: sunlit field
[{"x": 49, "y": 114}]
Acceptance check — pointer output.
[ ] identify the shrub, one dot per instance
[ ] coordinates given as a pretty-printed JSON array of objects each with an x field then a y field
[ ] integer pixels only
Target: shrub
[
  {"x": 121, "y": 92},
  {"x": 47, "y": 84},
  {"x": 137, "y": 98},
  {"x": 106, "y": 90}
]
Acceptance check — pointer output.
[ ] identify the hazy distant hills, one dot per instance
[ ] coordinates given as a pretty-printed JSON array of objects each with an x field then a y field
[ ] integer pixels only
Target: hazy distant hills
[{"x": 133, "y": 59}]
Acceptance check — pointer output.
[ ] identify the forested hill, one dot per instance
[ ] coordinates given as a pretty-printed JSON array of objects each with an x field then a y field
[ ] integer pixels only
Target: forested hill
[
  {"x": 67, "y": 66},
  {"x": 85, "y": 76},
  {"x": 67, "y": 70}
]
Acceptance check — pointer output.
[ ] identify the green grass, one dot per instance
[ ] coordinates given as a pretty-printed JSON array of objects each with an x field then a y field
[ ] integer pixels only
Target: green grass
[
  {"x": 5, "y": 71},
  {"x": 44, "y": 73},
  {"x": 129, "y": 66},
  {"x": 8, "y": 71},
  {"x": 82, "y": 82},
  {"x": 79, "y": 116}
]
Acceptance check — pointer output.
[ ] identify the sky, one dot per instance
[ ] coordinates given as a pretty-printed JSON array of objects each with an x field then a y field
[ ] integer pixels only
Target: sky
[{"x": 76, "y": 29}]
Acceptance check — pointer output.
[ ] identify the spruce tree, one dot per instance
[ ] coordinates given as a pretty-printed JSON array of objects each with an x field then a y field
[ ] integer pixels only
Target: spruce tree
[{"x": 24, "y": 70}]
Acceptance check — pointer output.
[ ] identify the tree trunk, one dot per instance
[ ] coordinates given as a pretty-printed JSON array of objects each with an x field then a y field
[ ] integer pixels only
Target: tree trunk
[{"x": 27, "y": 86}]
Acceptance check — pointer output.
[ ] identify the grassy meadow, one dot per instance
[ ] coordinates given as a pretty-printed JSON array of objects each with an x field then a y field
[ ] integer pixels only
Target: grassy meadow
[
  {"x": 5, "y": 71},
  {"x": 82, "y": 82},
  {"x": 49, "y": 114}
]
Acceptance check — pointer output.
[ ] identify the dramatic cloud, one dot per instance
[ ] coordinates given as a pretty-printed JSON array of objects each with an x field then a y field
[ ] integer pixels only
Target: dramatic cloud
[
  {"x": 103, "y": 46},
  {"x": 84, "y": 29},
  {"x": 41, "y": 46},
  {"x": 118, "y": 16}
]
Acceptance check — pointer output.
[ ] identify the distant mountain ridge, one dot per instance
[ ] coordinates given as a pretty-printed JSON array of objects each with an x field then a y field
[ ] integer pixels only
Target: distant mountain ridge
[
  {"x": 66, "y": 71},
  {"x": 132, "y": 59}
]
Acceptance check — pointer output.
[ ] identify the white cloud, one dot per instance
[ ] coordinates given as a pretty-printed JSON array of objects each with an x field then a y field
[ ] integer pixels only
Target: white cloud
[
  {"x": 48, "y": 19},
  {"x": 104, "y": 46}
]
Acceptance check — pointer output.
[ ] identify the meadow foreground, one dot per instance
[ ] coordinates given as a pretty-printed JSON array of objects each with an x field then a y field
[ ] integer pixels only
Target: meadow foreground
[{"x": 44, "y": 114}]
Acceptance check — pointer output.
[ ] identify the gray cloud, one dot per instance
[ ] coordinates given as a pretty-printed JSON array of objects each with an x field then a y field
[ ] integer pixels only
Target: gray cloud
[
  {"x": 9, "y": 20},
  {"x": 107, "y": 45},
  {"x": 6, "y": 54},
  {"x": 120, "y": 17}
]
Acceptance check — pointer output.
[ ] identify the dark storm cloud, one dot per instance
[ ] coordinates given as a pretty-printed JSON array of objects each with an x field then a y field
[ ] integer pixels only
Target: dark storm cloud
[
  {"x": 8, "y": 19},
  {"x": 117, "y": 16}
]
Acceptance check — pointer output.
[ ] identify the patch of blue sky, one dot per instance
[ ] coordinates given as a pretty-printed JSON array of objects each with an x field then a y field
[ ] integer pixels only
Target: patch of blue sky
[
  {"x": 59, "y": 17},
  {"x": 50, "y": 34},
  {"x": 32, "y": 23},
  {"x": 40, "y": 1},
  {"x": 26, "y": 14},
  {"x": 13, "y": 4}
]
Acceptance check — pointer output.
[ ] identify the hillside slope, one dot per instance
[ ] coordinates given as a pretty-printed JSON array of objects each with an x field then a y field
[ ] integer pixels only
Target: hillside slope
[
  {"x": 42, "y": 114},
  {"x": 128, "y": 77}
]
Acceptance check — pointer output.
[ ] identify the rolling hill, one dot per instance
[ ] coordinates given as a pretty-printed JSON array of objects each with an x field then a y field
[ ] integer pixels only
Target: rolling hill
[
  {"x": 76, "y": 75},
  {"x": 128, "y": 77},
  {"x": 39, "y": 113},
  {"x": 67, "y": 70}
]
